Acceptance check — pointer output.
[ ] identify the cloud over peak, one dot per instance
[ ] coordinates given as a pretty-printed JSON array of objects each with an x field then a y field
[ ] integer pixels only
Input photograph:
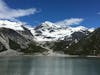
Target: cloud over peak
[
  {"x": 8, "y": 13},
  {"x": 71, "y": 21}
]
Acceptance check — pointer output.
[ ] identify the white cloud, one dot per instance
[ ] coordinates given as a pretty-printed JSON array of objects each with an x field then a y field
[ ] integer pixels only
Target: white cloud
[
  {"x": 98, "y": 13},
  {"x": 71, "y": 21},
  {"x": 8, "y": 13}
]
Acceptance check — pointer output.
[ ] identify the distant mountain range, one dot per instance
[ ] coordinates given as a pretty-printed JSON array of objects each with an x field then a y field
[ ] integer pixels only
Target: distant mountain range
[{"x": 48, "y": 39}]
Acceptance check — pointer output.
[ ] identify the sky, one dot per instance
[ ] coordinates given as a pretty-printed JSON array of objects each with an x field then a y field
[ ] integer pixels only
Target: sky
[{"x": 68, "y": 12}]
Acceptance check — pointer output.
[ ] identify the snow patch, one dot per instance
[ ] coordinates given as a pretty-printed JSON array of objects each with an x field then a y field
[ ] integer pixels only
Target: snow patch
[{"x": 11, "y": 25}]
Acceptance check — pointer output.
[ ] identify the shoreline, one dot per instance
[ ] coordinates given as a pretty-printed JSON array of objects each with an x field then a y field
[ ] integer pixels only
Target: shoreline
[{"x": 66, "y": 56}]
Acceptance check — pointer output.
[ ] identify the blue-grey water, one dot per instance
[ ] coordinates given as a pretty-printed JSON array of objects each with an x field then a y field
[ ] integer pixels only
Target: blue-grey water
[{"x": 49, "y": 66}]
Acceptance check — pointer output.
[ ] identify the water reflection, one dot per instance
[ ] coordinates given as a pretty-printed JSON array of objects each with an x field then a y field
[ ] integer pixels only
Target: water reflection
[{"x": 49, "y": 66}]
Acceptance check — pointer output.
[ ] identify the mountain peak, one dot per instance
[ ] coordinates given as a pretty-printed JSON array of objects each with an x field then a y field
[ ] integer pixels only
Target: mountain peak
[{"x": 48, "y": 24}]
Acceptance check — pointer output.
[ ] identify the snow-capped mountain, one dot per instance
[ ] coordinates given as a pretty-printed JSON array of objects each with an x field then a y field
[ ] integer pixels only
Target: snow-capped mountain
[
  {"x": 45, "y": 39},
  {"x": 88, "y": 46},
  {"x": 16, "y": 38},
  {"x": 49, "y": 31},
  {"x": 11, "y": 25},
  {"x": 46, "y": 31}
]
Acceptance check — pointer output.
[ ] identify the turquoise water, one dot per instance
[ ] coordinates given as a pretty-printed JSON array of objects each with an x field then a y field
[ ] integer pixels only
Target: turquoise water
[{"x": 28, "y": 65}]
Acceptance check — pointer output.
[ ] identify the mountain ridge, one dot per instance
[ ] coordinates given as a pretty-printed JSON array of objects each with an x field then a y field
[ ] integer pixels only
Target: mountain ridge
[
  {"x": 48, "y": 31},
  {"x": 44, "y": 39}
]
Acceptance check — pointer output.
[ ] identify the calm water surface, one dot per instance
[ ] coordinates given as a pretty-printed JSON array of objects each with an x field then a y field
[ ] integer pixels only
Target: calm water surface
[{"x": 49, "y": 66}]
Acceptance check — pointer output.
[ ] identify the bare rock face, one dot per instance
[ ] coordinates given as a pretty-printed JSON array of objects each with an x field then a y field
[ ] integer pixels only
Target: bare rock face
[
  {"x": 2, "y": 47},
  {"x": 10, "y": 35},
  {"x": 11, "y": 39},
  {"x": 26, "y": 33}
]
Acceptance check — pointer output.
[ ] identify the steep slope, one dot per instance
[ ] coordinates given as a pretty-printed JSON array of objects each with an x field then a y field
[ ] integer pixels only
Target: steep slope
[
  {"x": 19, "y": 27},
  {"x": 75, "y": 37},
  {"x": 11, "y": 35},
  {"x": 88, "y": 46},
  {"x": 2, "y": 47},
  {"x": 14, "y": 40},
  {"x": 26, "y": 33}
]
